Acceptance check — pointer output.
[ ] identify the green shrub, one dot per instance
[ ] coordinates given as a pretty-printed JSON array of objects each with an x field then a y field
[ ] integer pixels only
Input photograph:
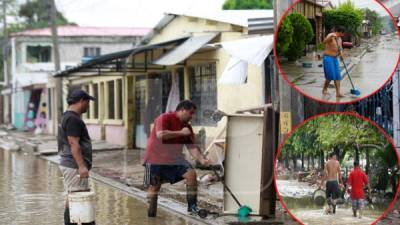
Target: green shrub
[
  {"x": 302, "y": 35},
  {"x": 285, "y": 35}
]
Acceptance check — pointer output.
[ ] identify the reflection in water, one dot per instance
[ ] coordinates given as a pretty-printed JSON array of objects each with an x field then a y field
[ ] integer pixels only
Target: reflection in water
[{"x": 31, "y": 192}]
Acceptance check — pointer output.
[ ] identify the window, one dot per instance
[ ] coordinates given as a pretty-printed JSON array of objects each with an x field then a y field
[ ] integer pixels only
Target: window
[
  {"x": 95, "y": 103},
  {"x": 91, "y": 51},
  {"x": 119, "y": 99},
  {"x": 203, "y": 92},
  {"x": 111, "y": 100},
  {"x": 37, "y": 54}
]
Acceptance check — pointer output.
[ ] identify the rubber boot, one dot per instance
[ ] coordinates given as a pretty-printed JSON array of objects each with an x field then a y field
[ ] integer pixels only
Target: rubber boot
[
  {"x": 360, "y": 213},
  {"x": 354, "y": 213},
  {"x": 152, "y": 210},
  {"x": 66, "y": 217},
  {"x": 334, "y": 208},
  {"x": 191, "y": 197}
]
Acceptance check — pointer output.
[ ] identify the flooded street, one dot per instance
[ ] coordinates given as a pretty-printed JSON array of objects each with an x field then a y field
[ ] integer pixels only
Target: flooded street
[
  {"x": 31, "y": 192},
  {"x": 297, "y": 197},
  {"x": 368, "y": 74}
]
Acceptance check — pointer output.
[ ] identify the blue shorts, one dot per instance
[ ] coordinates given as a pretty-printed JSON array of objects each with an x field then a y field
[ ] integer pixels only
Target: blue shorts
[
  {"x": 331, "y": 68},
  {"x": 157, "y": 174},
  {"x": 357, "y": 203}
]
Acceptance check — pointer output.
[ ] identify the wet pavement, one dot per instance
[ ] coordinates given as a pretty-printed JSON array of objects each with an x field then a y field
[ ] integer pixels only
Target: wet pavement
[
  {"x": 31, "y": 192},
  {"x": 370, "y": 67}
]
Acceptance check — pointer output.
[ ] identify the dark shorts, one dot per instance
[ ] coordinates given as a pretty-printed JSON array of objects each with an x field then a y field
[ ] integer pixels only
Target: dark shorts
[
  {"x": 332, "y": 189},
  {"x": 158, "y": 174},
  {"x": 331, "y": 68}
]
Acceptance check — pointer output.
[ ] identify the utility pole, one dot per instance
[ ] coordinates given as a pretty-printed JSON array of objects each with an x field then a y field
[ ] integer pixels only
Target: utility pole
[
  {"x": 5, "y": 44},
  {"x": 58, "y": 99}
]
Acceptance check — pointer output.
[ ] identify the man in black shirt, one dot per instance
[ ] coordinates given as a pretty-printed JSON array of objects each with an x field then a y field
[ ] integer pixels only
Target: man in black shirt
[{"x": 74, "y": 147}]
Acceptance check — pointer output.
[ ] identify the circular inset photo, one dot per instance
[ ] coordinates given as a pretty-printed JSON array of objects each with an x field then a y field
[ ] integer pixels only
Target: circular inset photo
[
  {"x": 337, "y": 51},
  {"x": 337, "y": 168}
]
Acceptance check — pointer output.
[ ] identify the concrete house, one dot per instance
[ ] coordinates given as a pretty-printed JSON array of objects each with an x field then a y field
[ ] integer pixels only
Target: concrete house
[
  {"x": 197, "y": 57},
  {"x": 29, "y": 100}
]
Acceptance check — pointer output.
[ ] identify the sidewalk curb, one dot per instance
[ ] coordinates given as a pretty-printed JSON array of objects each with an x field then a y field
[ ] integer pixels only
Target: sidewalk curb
[{"x": 169, "y": 205}]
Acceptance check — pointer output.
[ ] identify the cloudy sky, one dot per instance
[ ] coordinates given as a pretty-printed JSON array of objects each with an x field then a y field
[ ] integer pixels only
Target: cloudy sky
[
  {"x": 129, "y": 13},
  {"x": 371, "y": 4}
]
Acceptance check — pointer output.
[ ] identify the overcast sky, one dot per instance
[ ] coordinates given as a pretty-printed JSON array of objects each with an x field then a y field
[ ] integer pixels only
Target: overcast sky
[
  {"x": 146, "y": 13},
  {"x": 129, "y": 13},
  {"x": 371, "y": 4}
]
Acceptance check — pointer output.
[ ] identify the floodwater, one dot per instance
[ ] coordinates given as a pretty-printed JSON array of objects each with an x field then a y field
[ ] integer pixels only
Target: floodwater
[
  {"x": 304, "y": 209},
  {"x": 31, "y": 192}
]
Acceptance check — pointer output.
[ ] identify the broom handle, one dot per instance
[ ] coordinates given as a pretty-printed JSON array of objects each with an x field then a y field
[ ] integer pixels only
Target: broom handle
[
  {"x": 226, "y": 187},
  {"x": 348, "y": 74},
  {"x": 344, "y": 64}
]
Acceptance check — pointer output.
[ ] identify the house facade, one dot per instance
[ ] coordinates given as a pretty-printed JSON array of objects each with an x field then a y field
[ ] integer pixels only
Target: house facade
[
  {"x": 30, "y": 97},
  {"x": 181, "y": 58}
]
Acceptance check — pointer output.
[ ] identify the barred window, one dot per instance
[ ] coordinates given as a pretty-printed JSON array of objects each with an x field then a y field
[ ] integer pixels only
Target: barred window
[{"x": 203, "y": 92}]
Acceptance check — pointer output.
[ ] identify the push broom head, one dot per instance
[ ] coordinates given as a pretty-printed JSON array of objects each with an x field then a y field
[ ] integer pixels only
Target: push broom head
[{"x": 355, "y": 92}]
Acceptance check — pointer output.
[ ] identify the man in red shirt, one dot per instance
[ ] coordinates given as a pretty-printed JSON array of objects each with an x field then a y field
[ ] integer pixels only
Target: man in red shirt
[
  {"x": 164, "y": 161},
  {"x": 358, "y": 180}
]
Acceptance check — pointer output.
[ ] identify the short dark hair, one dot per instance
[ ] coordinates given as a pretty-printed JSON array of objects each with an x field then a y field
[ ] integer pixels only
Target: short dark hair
[
  {"x": 356, "y": 163},
  {"x": 340, "y": 29},
  {"x": 186, "y": 104},
  {"x": 332, "y": 154}
]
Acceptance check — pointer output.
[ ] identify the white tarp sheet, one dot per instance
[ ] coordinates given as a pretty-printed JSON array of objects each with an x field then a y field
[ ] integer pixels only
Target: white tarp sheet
[{"x": 245, "y": 51}]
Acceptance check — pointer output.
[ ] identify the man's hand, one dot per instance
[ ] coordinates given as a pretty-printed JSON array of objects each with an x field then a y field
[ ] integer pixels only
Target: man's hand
[
  {"x": 186, "y": 131},
  {"x": 205, "y": 162},
  {"x": 83, "y": 172}
]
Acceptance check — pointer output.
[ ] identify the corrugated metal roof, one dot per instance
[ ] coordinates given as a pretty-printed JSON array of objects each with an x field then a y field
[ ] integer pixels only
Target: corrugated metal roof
[
  {"x": 236, "y": 17},
  {"x": 71, "y": 31},
  {"x": 261, "y": 25},
  {"x": 117, "y": 55},
  {"x": 186, "y": 49}
]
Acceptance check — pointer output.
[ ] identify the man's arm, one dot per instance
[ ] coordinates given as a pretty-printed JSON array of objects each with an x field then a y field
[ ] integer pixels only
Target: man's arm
[
  {"x": 329, "y": 38},
  {"x": 77, "y": 154},
  {"x": 196, "y": 154},
  {"x": 324, "y": 175},
  {"x": 167, "y": 134},
  {"x": 339, "y": 174}
]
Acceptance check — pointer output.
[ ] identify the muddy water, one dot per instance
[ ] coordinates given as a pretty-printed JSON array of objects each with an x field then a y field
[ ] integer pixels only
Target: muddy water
[
  {"x": 306, "y": 211},
  {"x": 31, "y": 192}
]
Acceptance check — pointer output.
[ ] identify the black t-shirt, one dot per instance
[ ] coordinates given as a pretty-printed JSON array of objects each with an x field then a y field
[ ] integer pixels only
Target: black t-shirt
[{"x": 73, "y": 125}]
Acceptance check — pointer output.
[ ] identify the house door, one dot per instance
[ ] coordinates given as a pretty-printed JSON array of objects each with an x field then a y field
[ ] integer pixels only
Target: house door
[{"x": 140, "y": 104}]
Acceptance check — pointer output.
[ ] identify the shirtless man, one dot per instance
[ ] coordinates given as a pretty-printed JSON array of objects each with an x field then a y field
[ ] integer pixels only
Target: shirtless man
[
  {"x": 333, "y": 43},
  {"x": 332, "y": 177}
]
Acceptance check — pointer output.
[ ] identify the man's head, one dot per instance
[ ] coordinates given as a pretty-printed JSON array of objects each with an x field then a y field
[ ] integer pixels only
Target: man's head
[
  {"x": 332, "y": 155},
  {"x": 185, "y": 110},
  {"x": 79, "y": 99},
  {"x": 356, "y": 164},
  {"x": 339, "y": 31}
]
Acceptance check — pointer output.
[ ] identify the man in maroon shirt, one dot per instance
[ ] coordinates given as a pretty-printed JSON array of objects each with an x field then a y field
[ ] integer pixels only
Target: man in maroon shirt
[
  {"x": 358, "y": 180},
  {"x": 164, "y": 161}
]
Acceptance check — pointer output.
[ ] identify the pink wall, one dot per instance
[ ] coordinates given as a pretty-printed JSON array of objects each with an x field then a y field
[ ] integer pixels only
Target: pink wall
[
  {"x": 116, "y": 135},
  {"x": 94, "y": 131}
]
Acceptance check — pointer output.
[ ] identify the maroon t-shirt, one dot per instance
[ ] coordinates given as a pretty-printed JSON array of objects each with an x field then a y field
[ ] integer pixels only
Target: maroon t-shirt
[{"x": 167, "y": 152}]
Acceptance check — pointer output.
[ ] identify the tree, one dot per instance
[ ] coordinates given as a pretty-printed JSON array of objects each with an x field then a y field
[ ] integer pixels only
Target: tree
[
  {"x": 302, "y": 35},
  {"x": 36, "y": 14},
  {"x": 248, "y": 4},
  {"x": 285, "y": 36},
  {"x": 346, "y": 15},
  {"x": 373, "y": 17}
]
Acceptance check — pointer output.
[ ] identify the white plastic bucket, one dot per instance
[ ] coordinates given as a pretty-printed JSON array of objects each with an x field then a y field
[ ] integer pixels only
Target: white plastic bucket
[{"x": 82, "y": 207}]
